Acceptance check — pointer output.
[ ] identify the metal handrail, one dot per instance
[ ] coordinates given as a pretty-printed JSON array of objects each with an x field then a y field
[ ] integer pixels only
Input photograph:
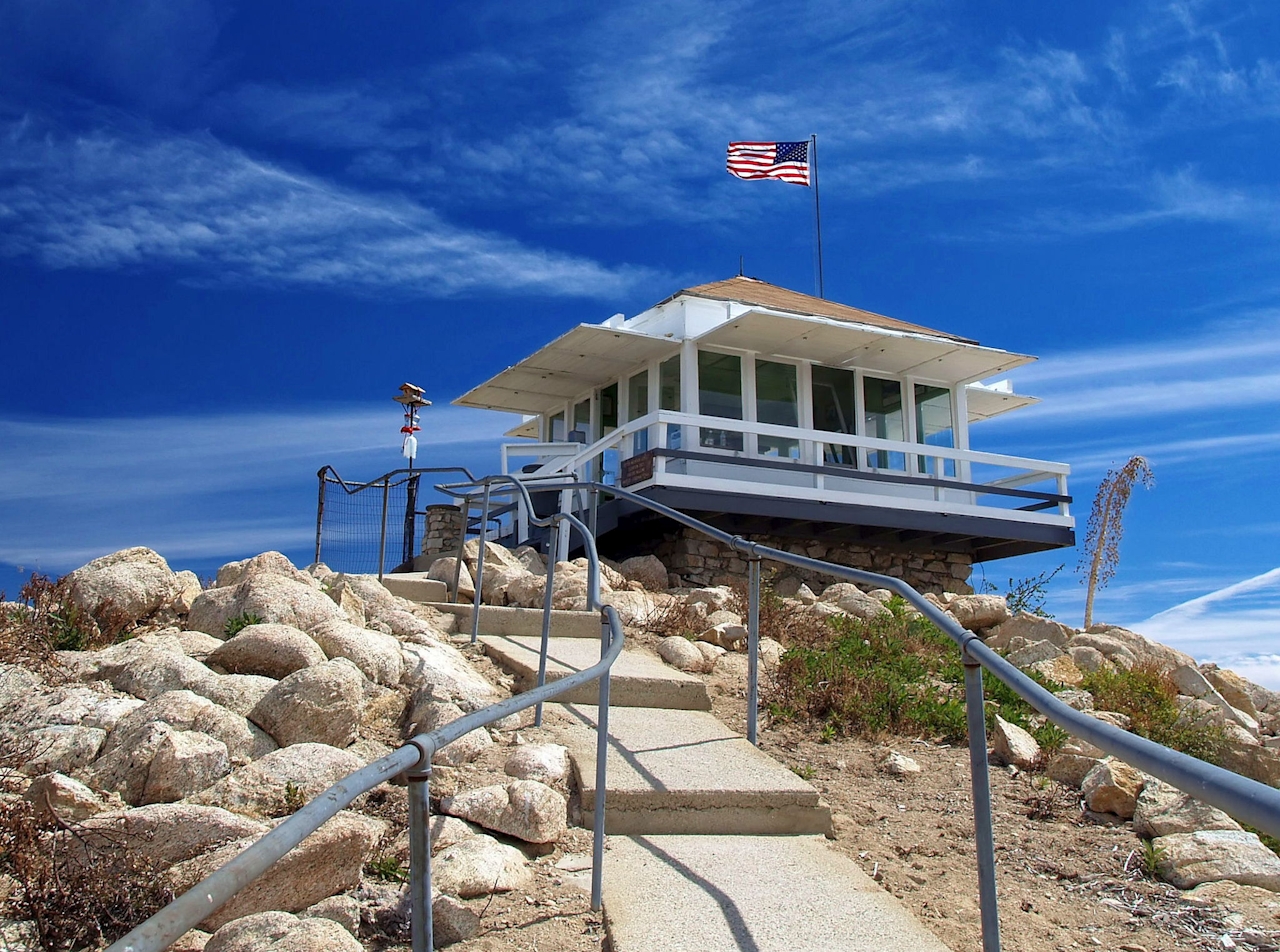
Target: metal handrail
[{"x": 1248, "y": 800}]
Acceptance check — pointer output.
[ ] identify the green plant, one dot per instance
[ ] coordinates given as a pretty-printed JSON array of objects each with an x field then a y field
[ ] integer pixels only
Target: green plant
[
  {"x": 238, "y": 623},
  {"x": 894, "y": 674},
  {"x": 388, "y": 868},
  {"x": 1029, "y": 594},
  {"x": 294, "y": 798},
  {"x": 1149, "y": 698},
  {"x": 1152, "y": 856},
  {"x": 1101, "y": 548},
  {"x": 804, "y": 771}
]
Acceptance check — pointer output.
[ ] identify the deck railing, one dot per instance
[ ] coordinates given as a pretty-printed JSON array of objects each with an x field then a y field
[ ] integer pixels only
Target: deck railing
[{"x": 698, "y": 451}]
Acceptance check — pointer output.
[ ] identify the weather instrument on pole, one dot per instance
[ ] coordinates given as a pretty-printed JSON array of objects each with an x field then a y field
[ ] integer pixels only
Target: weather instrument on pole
[{"x": 410, "y": 397}]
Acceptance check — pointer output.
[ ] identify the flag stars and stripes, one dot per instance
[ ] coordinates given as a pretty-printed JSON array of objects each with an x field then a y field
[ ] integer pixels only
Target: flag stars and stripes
[{"x": 786, "y": 161}]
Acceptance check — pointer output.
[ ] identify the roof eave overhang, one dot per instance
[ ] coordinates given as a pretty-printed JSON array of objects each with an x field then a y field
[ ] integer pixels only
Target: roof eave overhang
[
  {"x": 587, "y": 356},
  {"x": 845, "y": 343}
]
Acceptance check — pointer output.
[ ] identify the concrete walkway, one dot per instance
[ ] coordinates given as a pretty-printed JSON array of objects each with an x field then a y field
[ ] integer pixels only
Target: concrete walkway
[{"x": 711, "y": 844}]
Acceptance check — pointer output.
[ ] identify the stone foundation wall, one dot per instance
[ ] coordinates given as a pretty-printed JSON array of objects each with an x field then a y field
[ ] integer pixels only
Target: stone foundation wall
[
  {"x": 700, "y": 561},
  {"x": 444, "y": 532}
]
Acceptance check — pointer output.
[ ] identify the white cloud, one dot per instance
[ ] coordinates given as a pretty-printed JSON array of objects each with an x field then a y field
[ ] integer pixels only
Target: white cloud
[
  {"x": 145, "y": 457},
  {"x": 116, "y": 199},
  {"x": 1240, "y": 619},
  {"x": 203, "y": 487}
]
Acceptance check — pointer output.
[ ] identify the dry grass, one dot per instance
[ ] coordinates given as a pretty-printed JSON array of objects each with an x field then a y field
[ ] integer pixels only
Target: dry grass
[{"x": 46, "y": 620}]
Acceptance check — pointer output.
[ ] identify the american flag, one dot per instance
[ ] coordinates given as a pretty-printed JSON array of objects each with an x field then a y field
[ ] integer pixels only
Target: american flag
[{"x": 788, "y": 161}]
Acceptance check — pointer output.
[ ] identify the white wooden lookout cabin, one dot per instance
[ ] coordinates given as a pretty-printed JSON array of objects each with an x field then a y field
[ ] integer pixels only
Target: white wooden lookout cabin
[{"x": 776, "y": 414}]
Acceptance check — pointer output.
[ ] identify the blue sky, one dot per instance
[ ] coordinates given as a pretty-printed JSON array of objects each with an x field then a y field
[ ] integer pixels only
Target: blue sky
[{"x": 228, "y": 232}]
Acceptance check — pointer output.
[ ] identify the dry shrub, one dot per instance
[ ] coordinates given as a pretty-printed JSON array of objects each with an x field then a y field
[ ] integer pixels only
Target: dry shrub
[
  {"x": 79, "y": 888},
  {"x": 786, "y": 622},
  {"x": 47, "y": 621},
  {"x": 77, "y": 891}
]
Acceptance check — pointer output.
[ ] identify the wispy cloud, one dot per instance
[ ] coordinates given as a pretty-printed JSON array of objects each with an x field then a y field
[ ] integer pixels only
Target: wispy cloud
[
  {"x": 201, "y": 487},
  {"x": 137, "y": 199},
  {"x": 1237, "y": 621}
]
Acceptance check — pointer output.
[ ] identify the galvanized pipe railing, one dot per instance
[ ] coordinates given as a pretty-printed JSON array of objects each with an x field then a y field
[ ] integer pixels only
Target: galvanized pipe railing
[
  {"x": 214, "y": 891},
  {"x": 1246, "y": 800}
]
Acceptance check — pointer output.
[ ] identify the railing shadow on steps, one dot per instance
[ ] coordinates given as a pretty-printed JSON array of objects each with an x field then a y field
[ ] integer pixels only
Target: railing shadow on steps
[
  {"x": 1247, "y": 800},
  {"x": 413, "y": 760}
]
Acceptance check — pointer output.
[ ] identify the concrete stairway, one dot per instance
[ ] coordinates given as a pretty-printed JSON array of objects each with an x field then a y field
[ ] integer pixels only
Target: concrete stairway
[
  {"x": 638, "y": 679},
  {"x": 712, "y": 843}
]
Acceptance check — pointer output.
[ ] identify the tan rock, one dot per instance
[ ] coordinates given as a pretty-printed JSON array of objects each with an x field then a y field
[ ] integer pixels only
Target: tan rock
[
  {"x": 976, "y": 612},
  {"x": 134, "y": 582},
  {"x": 1060, "y": 669},
  {"x": 1163, "y": 810},
  {"x": 648, "y": 570},
  {"x": 526, "y": 809},
  {"x": 320, "y": 704},
  {"x": 262, "y": 787},
  {"x": 1014, "y": 745},
  {"x": 66, "y": 798},
  {"x": 267, "y": 650},
  {"x": 185, "y": 762},
  {"x": 1189, "y": 859},
  {"x": 679, "y": 652},
  {"x": 378, "y": 656},
  {"x": 329, "y": 861},
  {"x": 478, "y": 866},
  {"x": 1113, "y": 787}
]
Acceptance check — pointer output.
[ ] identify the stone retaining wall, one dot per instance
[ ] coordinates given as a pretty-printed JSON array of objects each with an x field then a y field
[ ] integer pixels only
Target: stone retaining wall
[{"x": 701, "y": 561}]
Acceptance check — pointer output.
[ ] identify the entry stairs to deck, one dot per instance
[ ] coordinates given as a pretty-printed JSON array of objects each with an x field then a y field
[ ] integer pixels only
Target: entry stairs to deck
[{"x": 713, "y": 846}]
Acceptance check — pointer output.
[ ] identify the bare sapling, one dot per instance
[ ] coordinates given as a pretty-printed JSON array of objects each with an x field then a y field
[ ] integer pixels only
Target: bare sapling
[{"x": 1106, "y": 526}]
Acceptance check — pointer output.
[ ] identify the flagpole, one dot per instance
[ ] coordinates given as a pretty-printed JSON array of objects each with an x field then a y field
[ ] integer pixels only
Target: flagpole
[{"x": 817, "y": 208}]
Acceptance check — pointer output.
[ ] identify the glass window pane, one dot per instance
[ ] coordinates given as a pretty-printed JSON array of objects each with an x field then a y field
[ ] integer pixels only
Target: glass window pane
[
  {"x": 934, "y": 425},
  {"x": 669, "y": 396},
  {"x": 581, "y": 422},
  {"x": 777, "y": 403},
  {"x": 557, "y": 428},
  {"x": 834, "y": 410},
  {"x": 882, "y": 411},
  {"x": 637, "y": 407},
  {"x": 608, "y": 409},
  {"x": 720, "y": 394}
]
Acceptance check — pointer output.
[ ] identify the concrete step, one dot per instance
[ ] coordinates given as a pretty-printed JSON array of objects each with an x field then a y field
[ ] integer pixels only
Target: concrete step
[
  {"x": 758, "y": 893},
  {"x": 685, "y": 772},
  {"x": 524, "y": 622},
  {"x": 638, "y": 679},
  {"x": 415, "y": 586}
]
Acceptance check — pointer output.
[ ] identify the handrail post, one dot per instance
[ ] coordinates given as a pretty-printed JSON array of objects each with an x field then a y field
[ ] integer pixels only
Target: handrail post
[
  {"x": 382, "y": 535},
  {"x": 319, "y": 516},
  {"x": 753, "y": 647},
  {"x": 420, "y": 919},
  {"x": 479, "y": 579},
  {"x": 975, "y": 715},
  {"x": 602, "y": 759},
  {"x": 546, "y": 633}
]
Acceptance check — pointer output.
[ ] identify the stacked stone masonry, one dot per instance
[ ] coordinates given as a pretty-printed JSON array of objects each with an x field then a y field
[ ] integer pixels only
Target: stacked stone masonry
[
  {"x": 699, "y": 561},
  {"x": 444, "y": 528}
]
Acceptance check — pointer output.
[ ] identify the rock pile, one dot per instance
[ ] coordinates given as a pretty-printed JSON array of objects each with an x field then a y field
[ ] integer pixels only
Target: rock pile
[{"x": 232, "y": 706}]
